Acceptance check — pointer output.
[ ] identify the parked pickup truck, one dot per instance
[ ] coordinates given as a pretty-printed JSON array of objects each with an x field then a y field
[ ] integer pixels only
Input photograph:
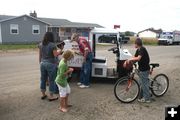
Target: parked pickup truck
[{"x": 112, "y": 39}]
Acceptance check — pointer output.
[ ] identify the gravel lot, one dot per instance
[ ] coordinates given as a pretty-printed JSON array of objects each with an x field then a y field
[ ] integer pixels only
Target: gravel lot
[{"x": 20, "y": 94}]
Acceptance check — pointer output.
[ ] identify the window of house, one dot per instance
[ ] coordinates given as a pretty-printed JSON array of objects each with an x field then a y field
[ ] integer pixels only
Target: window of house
[
  {"x": 14, "y": 29},
  {"x": 68, "y": 30},
  {"x": 35, "y": 29}
]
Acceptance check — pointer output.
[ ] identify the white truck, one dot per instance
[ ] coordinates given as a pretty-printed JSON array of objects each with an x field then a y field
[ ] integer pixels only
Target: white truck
[
  {"x": 100, "y": 67},
  {"x": 169, "y": 38}
]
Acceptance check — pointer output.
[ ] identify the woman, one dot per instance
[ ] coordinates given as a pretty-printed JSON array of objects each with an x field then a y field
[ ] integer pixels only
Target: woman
[{"x": 47, "y": 54}]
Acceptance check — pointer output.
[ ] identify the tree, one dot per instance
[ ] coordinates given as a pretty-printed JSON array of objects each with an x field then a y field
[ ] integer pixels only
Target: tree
[{"x": 128, "y": 33}]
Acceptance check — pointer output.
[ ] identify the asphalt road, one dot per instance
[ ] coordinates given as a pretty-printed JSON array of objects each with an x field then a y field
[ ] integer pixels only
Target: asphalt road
[{"x": 20, "y": 94}]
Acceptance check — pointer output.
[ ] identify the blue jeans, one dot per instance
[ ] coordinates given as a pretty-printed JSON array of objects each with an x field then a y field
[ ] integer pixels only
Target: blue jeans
[
  {"x": 85, "y": 73},
  {"x": 48, "y": 72},
  {"x": 144, "y": 85},
  {"x": 56, "y": 90}
]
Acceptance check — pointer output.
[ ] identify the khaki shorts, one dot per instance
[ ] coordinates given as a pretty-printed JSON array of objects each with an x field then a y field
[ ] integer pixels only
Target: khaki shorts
[{"x": 63, "y": 91}]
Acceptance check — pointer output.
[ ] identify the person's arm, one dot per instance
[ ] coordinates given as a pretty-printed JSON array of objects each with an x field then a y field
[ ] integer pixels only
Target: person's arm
[
  {"x": 40, "y": 55},
  {"x": 138, "y": 55},
  {"x": 86, "y": 49},
  {"x": 56, "y": 52},
  {"x": 135, "y": 59},
  {"x": 70, "y": 70}
]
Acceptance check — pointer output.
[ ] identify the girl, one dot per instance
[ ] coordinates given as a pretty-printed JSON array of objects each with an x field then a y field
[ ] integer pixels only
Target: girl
[{"x": 61, "y": 79}]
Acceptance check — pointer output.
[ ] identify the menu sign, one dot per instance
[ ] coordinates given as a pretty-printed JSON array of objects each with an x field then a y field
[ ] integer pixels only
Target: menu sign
[{"x": 78, "y": 59}]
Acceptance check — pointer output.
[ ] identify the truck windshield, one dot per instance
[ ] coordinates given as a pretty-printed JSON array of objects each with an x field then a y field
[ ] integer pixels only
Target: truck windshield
[{"x": 166, "y": 37}]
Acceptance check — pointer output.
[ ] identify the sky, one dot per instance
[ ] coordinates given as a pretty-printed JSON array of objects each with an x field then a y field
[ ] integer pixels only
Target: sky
[{"x": 131, "y": 15}]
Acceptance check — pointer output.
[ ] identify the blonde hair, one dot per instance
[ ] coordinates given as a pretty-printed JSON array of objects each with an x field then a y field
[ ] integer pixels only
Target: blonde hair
[
  {"x": 68, "y": 54},
  {"x": 74, "y": 35}
]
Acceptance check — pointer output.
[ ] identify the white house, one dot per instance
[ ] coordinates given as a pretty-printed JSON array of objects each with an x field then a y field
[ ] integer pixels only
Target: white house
[{"x": 150, "y": 33}]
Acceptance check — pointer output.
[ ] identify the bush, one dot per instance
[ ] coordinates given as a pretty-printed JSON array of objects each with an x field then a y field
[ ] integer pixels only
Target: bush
[{"x": 146, "y": 41}]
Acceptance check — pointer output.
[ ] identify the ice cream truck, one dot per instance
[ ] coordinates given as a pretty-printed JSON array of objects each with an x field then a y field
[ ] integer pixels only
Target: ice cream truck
[{"x": 100, "y": 67}]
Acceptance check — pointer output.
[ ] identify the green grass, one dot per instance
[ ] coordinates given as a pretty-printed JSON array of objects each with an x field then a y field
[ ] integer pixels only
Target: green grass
[
  {"x": 17, "y": 46},
  {"x": 146, "y": 41},
  {"x": 105, "y": 44}
]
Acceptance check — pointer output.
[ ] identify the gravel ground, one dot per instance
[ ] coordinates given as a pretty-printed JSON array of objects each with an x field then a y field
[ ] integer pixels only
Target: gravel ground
[{"x": 20, "y": 94}]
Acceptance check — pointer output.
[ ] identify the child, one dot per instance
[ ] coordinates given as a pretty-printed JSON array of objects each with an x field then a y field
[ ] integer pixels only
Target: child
[
  {"x": 61, "y": 79},
  {"x": 60, "y": 47},
  {"x": 142, "y": 57}
]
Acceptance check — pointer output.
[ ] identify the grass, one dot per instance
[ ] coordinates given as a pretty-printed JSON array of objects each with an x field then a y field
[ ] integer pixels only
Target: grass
[
  {"x": 105, "y": 44},
  {"x": 17, "y": 46},
  {"x": 146, "y": 41}
]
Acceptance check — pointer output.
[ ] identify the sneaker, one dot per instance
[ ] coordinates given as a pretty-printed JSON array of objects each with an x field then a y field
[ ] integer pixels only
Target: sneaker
[
  {"x": 79, "y": 83},
  {"x": 141, "y": 100},
  {"x": 148, "y": 101},
  {"x": 84, "y": 86},
  {"x": 144, "y": 101}
]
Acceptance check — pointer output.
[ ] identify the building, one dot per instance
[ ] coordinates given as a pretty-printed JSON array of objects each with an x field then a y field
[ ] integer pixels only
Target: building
[
  {"x": 150, "y": 32},
  {"x": 21, "y": 29},
  {"x": 63, "y": 28},
  {"x": 31, "y": 29}
]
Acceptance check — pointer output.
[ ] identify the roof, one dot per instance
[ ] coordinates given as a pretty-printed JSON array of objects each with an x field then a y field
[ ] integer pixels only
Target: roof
[
  {"x": 82, "y": 25},
  {"x": 54, "y": 22},
  {"x": 67, "y": 23},
  {"x": 104, "y": 31},
  {"x": 152, "y": 30},
  {"x": 4, "y": 18}
]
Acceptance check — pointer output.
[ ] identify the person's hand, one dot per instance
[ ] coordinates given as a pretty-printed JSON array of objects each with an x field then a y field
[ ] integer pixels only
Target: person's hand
[
  {"x": 128, "y": 61},
  {"x": 78, "y": 53},
  {"x": 84, "y": 60},
  {"x": 71, "y": 70}
]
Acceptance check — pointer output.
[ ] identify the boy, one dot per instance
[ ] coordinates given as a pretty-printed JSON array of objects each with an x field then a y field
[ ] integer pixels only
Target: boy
[
  {"x": 142, "y": 57},
  {"x": 61, "y": 79}
]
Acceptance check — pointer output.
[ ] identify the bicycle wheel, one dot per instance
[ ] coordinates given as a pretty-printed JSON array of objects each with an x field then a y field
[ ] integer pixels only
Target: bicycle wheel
[
  {"x": 126, "y": 90},
  {"x": 160, "y": 85}
]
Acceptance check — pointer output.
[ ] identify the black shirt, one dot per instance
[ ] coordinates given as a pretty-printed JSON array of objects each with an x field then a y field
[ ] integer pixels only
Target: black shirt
[{"x": 144, "y": 61}]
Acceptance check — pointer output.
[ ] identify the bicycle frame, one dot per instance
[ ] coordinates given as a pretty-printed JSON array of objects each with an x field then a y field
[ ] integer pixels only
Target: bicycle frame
[{"x": 135, "y": 71}]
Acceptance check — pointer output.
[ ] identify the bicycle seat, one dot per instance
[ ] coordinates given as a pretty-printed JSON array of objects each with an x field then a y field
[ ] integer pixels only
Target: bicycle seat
[{"x": 154, "y": 65}]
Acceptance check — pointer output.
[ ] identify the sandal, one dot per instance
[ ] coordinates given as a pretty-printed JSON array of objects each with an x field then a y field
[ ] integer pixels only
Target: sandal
[
  {"x": 43, "y": 97},
  {"x": 53, "y": 99}
]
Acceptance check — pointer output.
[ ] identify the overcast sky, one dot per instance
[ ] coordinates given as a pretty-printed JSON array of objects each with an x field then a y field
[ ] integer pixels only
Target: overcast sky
[{"x": 132, "y": 15}]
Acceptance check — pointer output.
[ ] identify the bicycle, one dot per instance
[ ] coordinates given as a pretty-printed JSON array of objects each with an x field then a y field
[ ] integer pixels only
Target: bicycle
[{"x": 127, "y": 88}]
